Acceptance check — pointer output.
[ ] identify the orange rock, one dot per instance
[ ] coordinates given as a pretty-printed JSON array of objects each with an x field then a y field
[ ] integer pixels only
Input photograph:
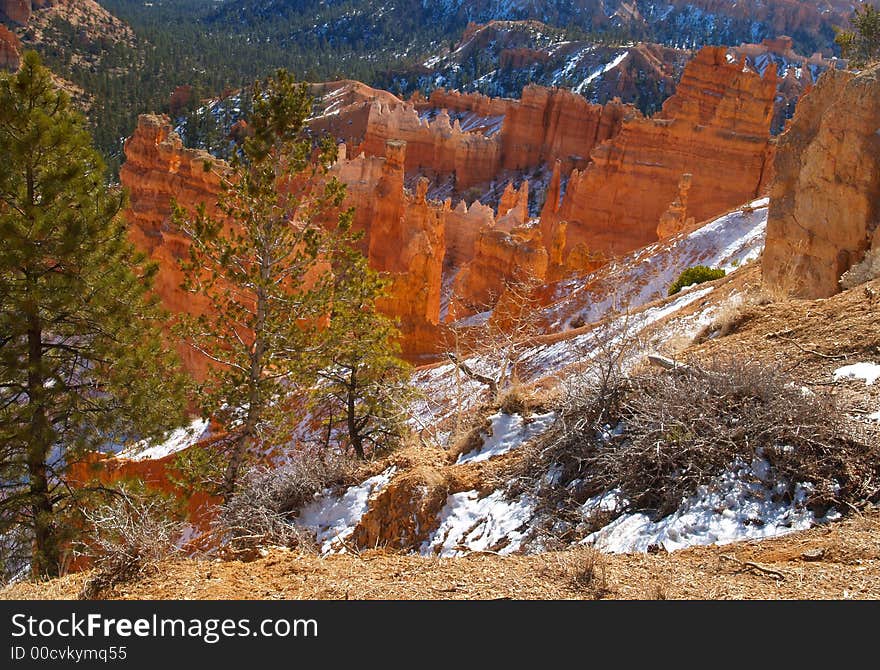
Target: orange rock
[
  {"x": 552, "y": 123},
  {"x": 10, "y": 50},
  {"x": 158, "y": 169},
  {"x": 438, "y": 145},
  {"x": 17, "y": 11},
  {"x": 675, "y": 219},
  {"x": 715, "y": 127},
  {"x": 500, "y": 257},
  {"x": 825, "y": 199},
  {"x": 513, "y": 208}
]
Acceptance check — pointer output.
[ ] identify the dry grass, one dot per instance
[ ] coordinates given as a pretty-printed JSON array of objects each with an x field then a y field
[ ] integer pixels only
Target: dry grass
[{"x": 848, "y": 567}]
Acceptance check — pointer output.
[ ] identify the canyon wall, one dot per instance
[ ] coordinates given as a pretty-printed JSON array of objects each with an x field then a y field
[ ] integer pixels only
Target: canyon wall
[
  {"x": 458, "y": 133},
  {"x": 437, "y": 145},
  {"x": 10, "y": 50},
  {"x": 715, "y": 127},
  {"x": 554, "y": 123},
  {"x": 825, "y": 199},
  {"x": 405, "y": 238},
  {"x": 405, "y": 233},
  {"x": 158, "y": 169}
]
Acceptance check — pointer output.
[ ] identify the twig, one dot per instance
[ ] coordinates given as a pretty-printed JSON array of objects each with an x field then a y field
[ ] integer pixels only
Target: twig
[
  {"x": 754, "y": 566},
  {"x": 832, "y": 357}
]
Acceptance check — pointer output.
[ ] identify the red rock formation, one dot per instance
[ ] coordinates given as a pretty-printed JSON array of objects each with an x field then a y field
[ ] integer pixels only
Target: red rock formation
[
  {"x": 521, "y": 57},
  {"x": 158, "y": 169},
  {"x": 825, "y": 199},
  {"x": 10, "y": 50},
  {"x": 513, "y": 208},
  {"x": 438, "y": 145},
  {"x": 463, "y": 225},
  {"x": 405, "y": 239},
  {"x": 715, "y": 127},
  {"x": 500, "y": 257},
  {"x": 545, "y": 125},
  {"x": 17, "y": 11},
  {"x": 405, "y": 233},
  {"x": 479, "y": 104},
  {"x": 675, "y": 218},
  {"x": 550, "y": 124}
]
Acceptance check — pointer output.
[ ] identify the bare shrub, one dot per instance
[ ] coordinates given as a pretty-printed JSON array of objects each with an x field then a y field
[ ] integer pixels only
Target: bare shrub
[
  {"x": 658, "y": 436},
  {"x": 865, "y": 271},
  {"x": 128, "y": 535},
  {"x": 513, "y": 401},
  {"x": 584, "y": 568},
  {"x": 261, "y": 511},
  {"x": 688, "y": 426},
  {"x": 470, "y": 436}
]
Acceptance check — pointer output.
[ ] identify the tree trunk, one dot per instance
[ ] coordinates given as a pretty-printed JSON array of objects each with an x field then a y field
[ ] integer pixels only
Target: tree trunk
[
  {"x": 354, "y": 433},
  {"x": 46, "y": 558},
  {"x": 255, "y": 374}
]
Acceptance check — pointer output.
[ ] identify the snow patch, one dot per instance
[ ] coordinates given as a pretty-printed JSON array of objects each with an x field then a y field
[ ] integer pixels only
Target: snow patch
[
  {"x": 334, "y": 518},
  {"x": 870, "y": 372},
  {"x": 507, "y": 432},
  {"x": 470, "y": 523},
  {"x": 177, "y": 440},
  {"x": 736, "y": 506}
]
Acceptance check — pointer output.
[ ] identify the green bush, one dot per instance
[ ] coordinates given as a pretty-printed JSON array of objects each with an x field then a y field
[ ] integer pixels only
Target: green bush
[{"x": 695, "y": 275}]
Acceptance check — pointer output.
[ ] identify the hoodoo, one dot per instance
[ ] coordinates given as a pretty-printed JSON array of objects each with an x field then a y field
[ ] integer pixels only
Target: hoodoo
[
  {"x": 716, "y": 127},
  {"x": 825, "y": 199}
]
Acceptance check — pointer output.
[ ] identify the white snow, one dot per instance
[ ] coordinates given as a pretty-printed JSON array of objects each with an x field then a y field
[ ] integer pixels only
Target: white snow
[
  {"x": 470, "y": 523},
  {"x": 507, "y": 432},
  {"x": 874, "y": 417},
  {"x": 334, "y": 518},
  {"x": 736, "y": 506},
  {"x": 646, "y": 274},
  {"x": 600, "y": 71},
  {"x": 177, "y": 440},
  {"x": 870, "y": 372}
]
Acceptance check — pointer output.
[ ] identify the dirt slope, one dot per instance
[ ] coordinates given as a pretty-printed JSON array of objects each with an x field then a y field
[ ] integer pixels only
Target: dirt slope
[{"x": 838, "y": 561}]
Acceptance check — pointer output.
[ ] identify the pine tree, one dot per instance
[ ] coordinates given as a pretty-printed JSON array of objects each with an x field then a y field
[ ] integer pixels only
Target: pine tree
[
  {"x": 363, "y": 389},
  {"x": 259, "y": 266},
  {"x": 861, "y": 45},
  {"x": 82, "y": 362}
]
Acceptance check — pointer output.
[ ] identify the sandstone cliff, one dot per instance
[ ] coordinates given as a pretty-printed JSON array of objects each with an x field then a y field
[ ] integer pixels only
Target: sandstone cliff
[
  {"x": 825, "y": 199},
  {"x": 550, "y": 124},
  {"x": 716, "y": 127},
  {"x": 10, "y": 50},
  {"x": 158, "y": 169},
  {"x": 404, "y": 232}
]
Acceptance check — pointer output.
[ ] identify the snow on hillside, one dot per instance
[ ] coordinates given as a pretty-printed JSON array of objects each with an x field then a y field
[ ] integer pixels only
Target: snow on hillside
[
  {"x": 471, "y": 523},
  {"x": 507, "y": 432},
  {"x": 177, "y": 440},
  {"x": 334, "y": 518},
  {"x": 645, "y": 275},
  {"x": 738, "y": 505}
]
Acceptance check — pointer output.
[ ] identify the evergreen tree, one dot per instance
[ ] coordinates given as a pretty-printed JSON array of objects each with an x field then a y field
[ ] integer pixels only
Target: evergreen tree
[
  {"x": 363, "y": 385},
  {"x": 82, "y": 363},
  {"x": 259, "y": 266},
  {"x": 861, "y": 45}
]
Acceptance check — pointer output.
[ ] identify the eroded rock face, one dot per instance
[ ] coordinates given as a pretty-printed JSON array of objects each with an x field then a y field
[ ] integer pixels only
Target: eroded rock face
[
  {"x": 500, "y": 257},
  {"x": 554, "y": 123},
  {"x": 675, "y": 219},
  {"x": 438, "y": 145},
  {"x": 404, "y": 231},
  {"x": 825, "y": 199},
  {"x": 17, "y": 11},
  {"x": 10, "y": 50},
  {"x": 158, "y": 169},
  {"x": 715, "y": 127}
]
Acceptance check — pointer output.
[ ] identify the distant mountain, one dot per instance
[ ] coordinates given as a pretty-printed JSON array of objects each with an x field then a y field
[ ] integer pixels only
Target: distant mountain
[{"x": 407, "y": 23}]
